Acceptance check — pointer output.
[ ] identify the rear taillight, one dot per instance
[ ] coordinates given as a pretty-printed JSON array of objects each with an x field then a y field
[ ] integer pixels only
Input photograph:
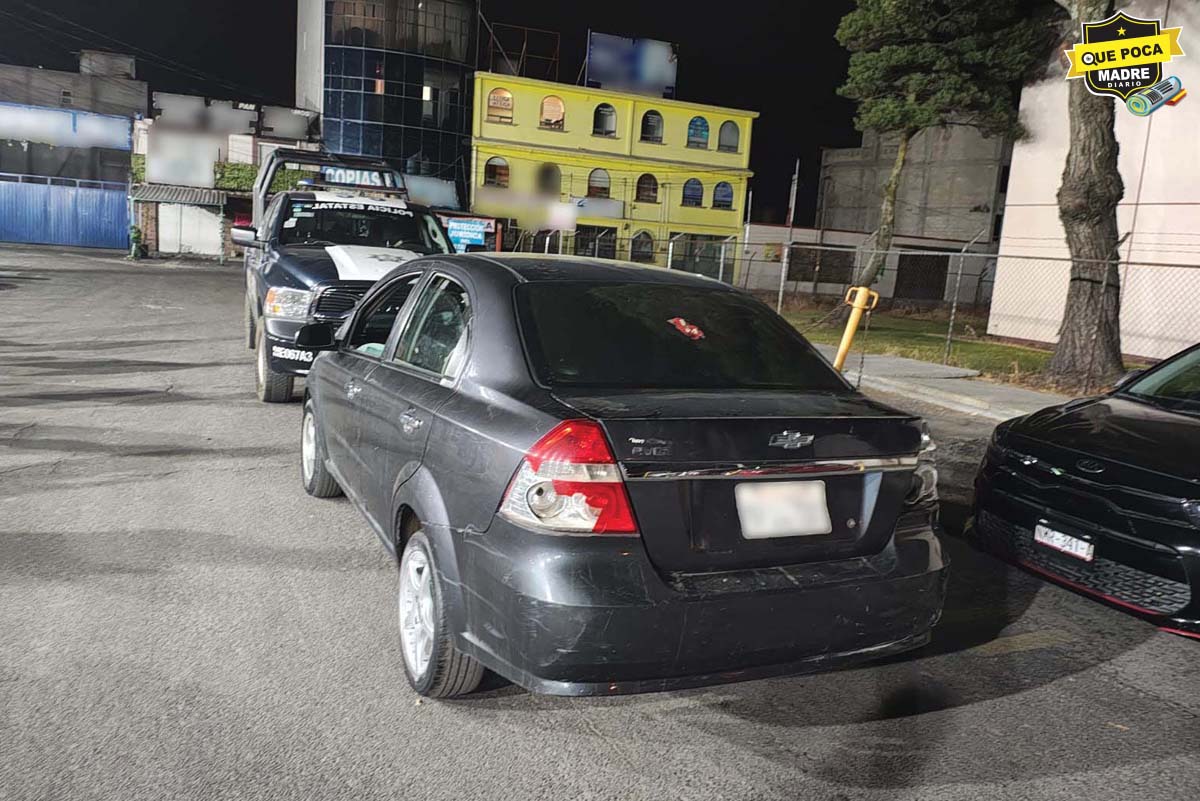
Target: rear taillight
[{"x": 569, "y": 482}]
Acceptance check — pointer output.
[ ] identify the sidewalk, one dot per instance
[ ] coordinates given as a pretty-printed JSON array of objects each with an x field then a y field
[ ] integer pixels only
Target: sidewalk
[{"x": 949, "y": 387}]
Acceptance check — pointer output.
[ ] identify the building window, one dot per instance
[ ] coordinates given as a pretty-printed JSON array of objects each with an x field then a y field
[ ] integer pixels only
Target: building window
[
  {"x": 652, "y": 127},
  {"x": 727, "y": 139},
  {"x": 598, "y": 184},
  {"x": 647, "y": 189},
  {"x": 693, "y": 193},
  {"x": 67, "y": 99},
  {"x": 549, "y": 180},
  {"x": 642, "y": 247},
  {"x": 604, "y": 120},
  {"x": 553, "y": 113},
  {"x": 698, "y": 133},
  {"x": 500, "y": 106},
  {"x": 722, "y": 195},
  {"x": 495, "y": 173}
]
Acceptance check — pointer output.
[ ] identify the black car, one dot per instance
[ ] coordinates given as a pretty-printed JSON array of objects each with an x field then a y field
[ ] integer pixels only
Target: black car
[
  {"x": 1102, "y": 495},
  {"x": 311, "y": 259},
  {"x": 604, "y": 478}
]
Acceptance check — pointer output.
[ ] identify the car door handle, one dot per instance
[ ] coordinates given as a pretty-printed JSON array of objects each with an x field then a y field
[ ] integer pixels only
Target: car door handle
[
  {"x": 352, "y": 389},
  {"x": 410, "y": 422}
]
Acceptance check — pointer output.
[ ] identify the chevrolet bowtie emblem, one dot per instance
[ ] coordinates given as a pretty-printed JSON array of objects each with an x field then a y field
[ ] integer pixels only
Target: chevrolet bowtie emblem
[{"x": 790, "y": 440}]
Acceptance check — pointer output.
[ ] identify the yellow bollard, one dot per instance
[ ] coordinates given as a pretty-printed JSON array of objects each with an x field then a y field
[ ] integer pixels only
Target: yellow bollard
[{"x": 860, "y": 299}]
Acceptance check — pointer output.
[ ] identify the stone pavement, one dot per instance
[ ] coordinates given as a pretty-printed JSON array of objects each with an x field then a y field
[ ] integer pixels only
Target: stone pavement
[{"x": 949, "y": 387}]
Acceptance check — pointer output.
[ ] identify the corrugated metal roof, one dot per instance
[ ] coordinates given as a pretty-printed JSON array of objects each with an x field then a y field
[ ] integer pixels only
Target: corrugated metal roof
[{"x": 187, "y": 195}]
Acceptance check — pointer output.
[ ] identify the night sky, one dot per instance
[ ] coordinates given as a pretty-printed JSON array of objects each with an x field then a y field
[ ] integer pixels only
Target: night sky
[{"x": 778, "y": 58}]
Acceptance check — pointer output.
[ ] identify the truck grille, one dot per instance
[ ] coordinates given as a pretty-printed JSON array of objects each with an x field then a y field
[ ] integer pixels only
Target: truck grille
[
  {"x": 1122, "y": 583},
  {"x": 335, "y": 302}
]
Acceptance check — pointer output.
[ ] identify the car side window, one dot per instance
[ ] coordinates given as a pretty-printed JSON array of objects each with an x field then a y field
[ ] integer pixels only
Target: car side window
[
  {"x": 271, "y": 218},
  {"x": 374, "y": 325},
  {"x": 435, "y": 338}
]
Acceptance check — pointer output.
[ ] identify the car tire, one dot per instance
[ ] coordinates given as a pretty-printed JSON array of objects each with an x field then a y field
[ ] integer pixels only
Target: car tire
[
  {"x": 251, "y": 334},
  {"x": 434, "y": 666},
  {"x": 318, "y": 481},
  {"x": 271, "y": 387}
]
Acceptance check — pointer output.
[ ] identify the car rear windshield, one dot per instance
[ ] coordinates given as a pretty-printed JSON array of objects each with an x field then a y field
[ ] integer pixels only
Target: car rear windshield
[{"x": 663, "y": 336}]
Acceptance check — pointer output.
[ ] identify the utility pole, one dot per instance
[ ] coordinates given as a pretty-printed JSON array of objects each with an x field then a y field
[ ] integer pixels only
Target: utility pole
[{"x": 787, "y": 254}]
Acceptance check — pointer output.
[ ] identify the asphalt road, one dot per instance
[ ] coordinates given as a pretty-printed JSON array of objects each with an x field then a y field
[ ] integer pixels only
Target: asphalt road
[{"x": 179, "y": 620}]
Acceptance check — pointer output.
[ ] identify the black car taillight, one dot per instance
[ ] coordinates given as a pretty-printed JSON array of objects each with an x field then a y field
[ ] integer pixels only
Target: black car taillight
[{"x": 569, "y": 482}]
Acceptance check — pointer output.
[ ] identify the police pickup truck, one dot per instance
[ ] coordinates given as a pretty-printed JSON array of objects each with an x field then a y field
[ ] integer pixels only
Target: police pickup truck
[{"x": 315, "y": 250}]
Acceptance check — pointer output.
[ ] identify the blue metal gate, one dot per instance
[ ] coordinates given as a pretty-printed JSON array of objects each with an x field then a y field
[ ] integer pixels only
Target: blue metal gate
[{"x": 63, "y": 211}]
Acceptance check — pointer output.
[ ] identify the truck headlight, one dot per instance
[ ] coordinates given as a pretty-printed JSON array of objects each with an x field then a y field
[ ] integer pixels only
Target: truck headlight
[{"x": 290, "y": 304}]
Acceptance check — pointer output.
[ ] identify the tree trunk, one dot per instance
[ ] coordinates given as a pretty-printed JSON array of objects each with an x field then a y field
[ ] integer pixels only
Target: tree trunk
[
  {"x": 887, "y": 216},
  {"x": 1089, "y": 339}
]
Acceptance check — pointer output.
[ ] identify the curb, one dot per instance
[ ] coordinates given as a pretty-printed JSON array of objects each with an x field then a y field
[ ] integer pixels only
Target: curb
[{"x": 954, "y": 401}]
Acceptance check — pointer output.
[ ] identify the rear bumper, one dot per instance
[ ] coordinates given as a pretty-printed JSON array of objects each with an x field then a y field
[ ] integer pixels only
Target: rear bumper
[{"x": 584, "y": 616}]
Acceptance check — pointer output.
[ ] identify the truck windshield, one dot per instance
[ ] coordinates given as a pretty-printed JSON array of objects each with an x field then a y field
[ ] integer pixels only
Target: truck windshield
[
  {"x": 318, "y": 222},
  {"x": 663, "y": 336}
]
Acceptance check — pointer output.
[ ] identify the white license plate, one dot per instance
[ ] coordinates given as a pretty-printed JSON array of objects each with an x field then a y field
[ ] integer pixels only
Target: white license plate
[
  {"x": 782, "y": 509},
  {"x": 1065, "y": 543}
]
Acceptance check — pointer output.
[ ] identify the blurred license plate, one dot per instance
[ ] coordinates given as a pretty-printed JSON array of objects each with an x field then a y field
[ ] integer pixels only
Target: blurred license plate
[
  {"x": 1065, "y": 543},
  {"x": 782, "y": 509}
]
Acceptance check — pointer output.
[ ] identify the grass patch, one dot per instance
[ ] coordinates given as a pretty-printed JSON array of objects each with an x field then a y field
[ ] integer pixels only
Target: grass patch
[{"x": 923, "y": 337}]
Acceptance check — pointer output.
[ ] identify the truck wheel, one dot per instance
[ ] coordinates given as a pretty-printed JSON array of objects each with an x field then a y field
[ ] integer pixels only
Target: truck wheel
[
  {"x": 318, "y": 481},
  {"x": 434, "y": 667},
  {"x": 271, "y": 387},
  {"x": 250, "y": 332}
]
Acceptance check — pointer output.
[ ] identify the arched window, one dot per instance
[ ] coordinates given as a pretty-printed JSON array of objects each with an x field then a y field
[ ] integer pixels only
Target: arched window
[
  {"x": 698, "y": 133},
  {"x": 727, "y": 139},
  {"x": 693, "y": 192},
  {"x": 722, "y": 195},
  {"x": 647, "y": 189},
  {"x": 652, "y": 127},
  {"x": 500, "y": 106},
  {"x": 598, "y": 183},
  {"x": 553, "y": 113},
  {"x": 549, "y": 180},
  {"x": 495, "y": 172},
  {"x": 642, "y": 247},
  {"x": 604, "y": 120}
]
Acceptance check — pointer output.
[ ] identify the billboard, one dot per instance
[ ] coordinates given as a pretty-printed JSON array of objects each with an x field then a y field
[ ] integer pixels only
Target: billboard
[{"x": 644, "y": 66}]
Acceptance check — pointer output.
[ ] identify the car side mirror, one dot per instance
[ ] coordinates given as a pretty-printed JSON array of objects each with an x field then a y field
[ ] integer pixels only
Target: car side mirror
[
  {"x": 316, "y": 336},
  {"x": 245, "y": 236},
  {"x": 1127, "y": 378}
]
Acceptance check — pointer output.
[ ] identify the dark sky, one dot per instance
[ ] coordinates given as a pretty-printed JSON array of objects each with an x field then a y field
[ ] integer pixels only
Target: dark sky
[{"x": 775, "y": 57}]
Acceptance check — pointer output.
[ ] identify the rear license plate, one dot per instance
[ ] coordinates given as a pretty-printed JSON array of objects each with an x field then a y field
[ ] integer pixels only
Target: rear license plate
[
  {"x": 782, "y": 509},
  {"x": 1064, "y": 543}
]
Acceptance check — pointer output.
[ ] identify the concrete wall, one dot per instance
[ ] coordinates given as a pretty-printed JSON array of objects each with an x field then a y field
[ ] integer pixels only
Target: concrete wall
[
  {"x": 1160, "y": 165},
  {"x": 948, "y": 187},
  {"x": 310, "y": 55},
  {"x": 763, "y": 247},
  {"x": 99, "y": 93}
]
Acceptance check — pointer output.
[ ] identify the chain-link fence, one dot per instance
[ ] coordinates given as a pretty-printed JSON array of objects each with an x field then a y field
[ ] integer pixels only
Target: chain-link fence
[{"x": 999, "y": 314}]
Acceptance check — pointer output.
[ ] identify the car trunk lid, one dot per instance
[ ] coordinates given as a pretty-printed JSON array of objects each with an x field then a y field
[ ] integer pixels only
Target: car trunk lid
[{"x": 684, "y": 454}]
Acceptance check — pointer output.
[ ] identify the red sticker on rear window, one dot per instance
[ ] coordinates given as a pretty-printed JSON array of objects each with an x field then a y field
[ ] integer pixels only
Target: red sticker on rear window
[{"x": 687, "y": 329}]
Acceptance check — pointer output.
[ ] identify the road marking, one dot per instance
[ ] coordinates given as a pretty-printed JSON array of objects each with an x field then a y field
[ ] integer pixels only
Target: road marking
[{"x": 1016, "y": 643}]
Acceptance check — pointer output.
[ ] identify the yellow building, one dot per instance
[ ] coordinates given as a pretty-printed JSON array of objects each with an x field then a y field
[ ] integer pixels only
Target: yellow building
[{"x": 642, "y": 176}]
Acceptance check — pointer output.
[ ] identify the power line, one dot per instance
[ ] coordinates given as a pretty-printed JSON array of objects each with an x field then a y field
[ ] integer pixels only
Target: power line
[{"x": 149, "y": 56}]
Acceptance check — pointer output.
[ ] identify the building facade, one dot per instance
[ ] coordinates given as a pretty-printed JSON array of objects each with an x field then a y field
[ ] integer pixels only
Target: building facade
[
  {"x": 1159, "y": 163},
  {"x": 620, "y": 175},
  {"x": 391, "y": 78},
  {"x": 952, "y": 186}
]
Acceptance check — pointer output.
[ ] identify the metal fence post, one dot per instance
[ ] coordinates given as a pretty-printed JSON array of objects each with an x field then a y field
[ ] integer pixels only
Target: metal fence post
[
  {"x": 783, "y": 271},
  {"x": 962, "y": 257}
]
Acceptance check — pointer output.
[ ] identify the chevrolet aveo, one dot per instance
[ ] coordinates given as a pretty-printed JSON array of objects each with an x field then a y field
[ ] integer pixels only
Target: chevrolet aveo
[{"x": 605, "y": 478}]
